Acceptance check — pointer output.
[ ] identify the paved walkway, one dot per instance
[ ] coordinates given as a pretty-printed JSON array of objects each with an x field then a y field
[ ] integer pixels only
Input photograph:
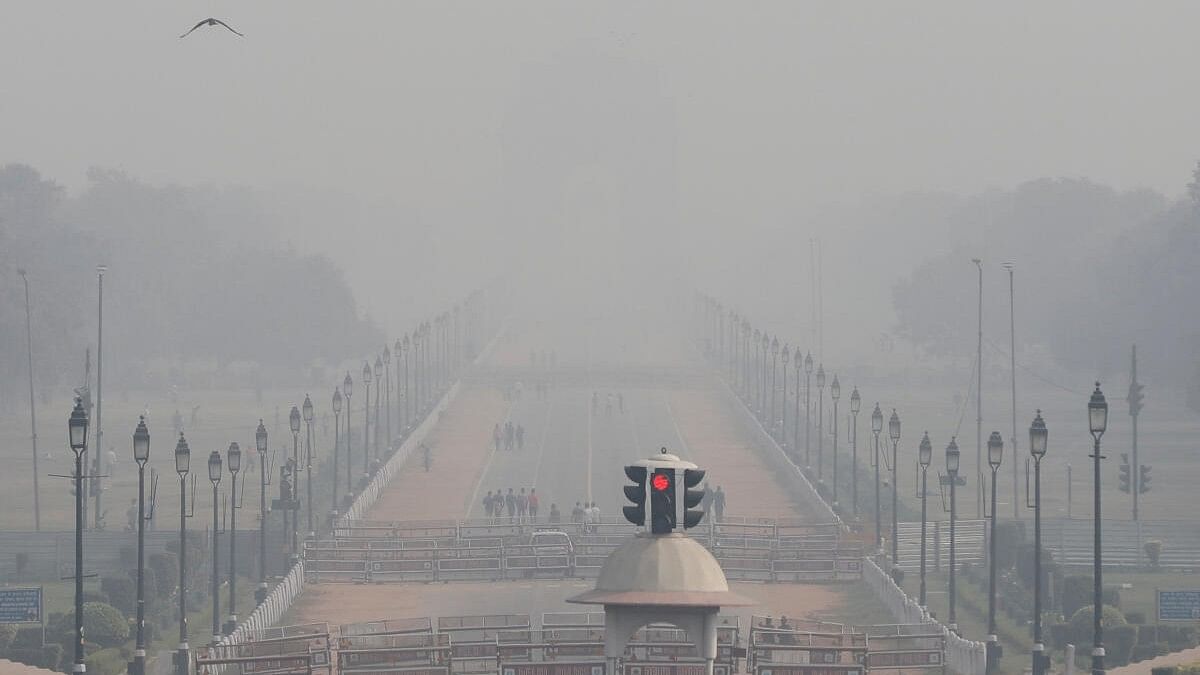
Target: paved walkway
[
  {"x": 13, "y": 668},
  {"x": 1181, "y": 658}
]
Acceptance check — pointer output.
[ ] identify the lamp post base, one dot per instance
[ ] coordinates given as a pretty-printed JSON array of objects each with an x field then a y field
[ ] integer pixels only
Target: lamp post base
[{"x": 994, "y": 652}]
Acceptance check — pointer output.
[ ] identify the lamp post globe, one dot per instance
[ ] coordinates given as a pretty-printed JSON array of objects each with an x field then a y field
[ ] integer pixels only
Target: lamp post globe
[
  {"x": 835, "y": 389},
  {"x": 348, "y": 385},
  {"x": 77, "y": 427},
  {"x": 260, "y": 438},
  {"x": 366, "y": 372},
  {"x": 808, "y": 363},
  {"x": 337, "y": 401},
  {"x": 141, "y": 442},
  {"x": 294, "y": 420},
  {"x": 306, "y": 409},
  {"x": 925, "y": 452},
  {"x": 378, "y": 367}
]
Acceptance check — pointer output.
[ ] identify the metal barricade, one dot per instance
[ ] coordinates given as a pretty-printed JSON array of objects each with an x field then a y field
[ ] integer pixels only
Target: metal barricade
[
  {"x": 744, "y": 564},
  {"x": 417, "y": 625},
  {"x": 413, "y": 653},
  {"x": 474, "y": 639},
  {"x": 905, "y": 648}
]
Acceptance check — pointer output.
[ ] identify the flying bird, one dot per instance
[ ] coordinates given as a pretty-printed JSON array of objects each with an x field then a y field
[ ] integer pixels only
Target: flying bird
[{"x": 212, "y": 22}]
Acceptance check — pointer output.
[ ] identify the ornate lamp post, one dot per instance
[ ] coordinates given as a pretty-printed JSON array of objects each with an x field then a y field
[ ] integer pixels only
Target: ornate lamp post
[
  {"x": 260, "y": 444},
  {"x": 995, "y": 448},
  {"x": 337, "y": 439},
  {"x": 409, "y": 412},
  {"x": 924, "y": 457},
  {"x": 234, "y": 460},
  {"x": 77, "y": 426},
  {"x": 387, "y": 376},
  {"x": 835, "y": 392},
  {"x": 1097, "y": 423},
  {"x": 366, "y": 379},
  {"x": 183, "y": 458},
  {"x": 799, "y": 361},
  {"x": 774, "y": 369},
  {"x": 952, "y": 460},
  {"x": 398, "y": 350},
  {"x": 783, "y": 409},
  {"x": 141, "y": 455},
  {"x": 348, "y": 390},
  {"x": 855, "y": 406},
  {"x": 876, "y": 428},
  {"x": 214, "y": 476},
  {"x": 306, "y": 411},
  {"x": 808, "y": 368},
  {"x": 380, "y": 381},
  {"x": 294, "y": 423},
  {"x": 894, "y": 433},
  {"x": 821, "y": 423},
  {"x": 758, "y": 369},
  {"x": 1037, "y": 448}
]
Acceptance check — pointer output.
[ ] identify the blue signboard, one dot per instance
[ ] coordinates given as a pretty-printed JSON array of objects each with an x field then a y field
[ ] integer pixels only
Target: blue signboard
[
  {"x": 21, "y": 605},
  {"x": 1179, "y": 605}
]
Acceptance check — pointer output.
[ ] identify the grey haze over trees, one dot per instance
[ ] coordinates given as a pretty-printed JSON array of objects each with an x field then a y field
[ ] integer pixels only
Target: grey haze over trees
[
  {"x": 195, "y": 284},
  {"x": 1097, "y": 270}
]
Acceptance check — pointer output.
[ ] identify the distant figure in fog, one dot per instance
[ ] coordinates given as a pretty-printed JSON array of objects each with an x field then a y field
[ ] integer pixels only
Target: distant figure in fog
[
  {"x": 719, "y": 503},
  {"x": 496, "y": 436},
  {"x": 555, "y": 516},
  {"x": 487, "y": 504},
  {"x": 533, "y": 505},
  {"x": 522, "y": 505},
  {"x": 577, "y": 513},
  {"x": 510, "y": 503}
]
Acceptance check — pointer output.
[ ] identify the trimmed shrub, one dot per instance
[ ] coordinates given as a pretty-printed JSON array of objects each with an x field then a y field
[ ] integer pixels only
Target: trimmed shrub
[
  {"x": 8, "y": 632},
  {"x": 1118, "y": 644},
  {"x": 166, "y": 573},
  {"x": 1081, "y": 625},
  {"x": 104, "y": 625},
  {"x": 121, "y": 592},
  {"x": 110, "y": 661}
]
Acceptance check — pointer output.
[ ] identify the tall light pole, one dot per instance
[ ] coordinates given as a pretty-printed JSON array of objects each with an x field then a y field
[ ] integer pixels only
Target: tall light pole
[
  {"x": 294, "y": 424},
  {"x": 821, "y": 423},
  {"x": 366, "y": 380},
  {"x": 306, "y": 412},
  {"x": 876, "y": 427},
  {"x": 348, "y": 390},
  {"x": 380, "y": 380},
  {"x": 774, "y": 388},
  {"x": 37, "y": 507},
  {"x": 1012, "y": 355},
  {"x": 1097, "y": 423},
  {"x": 894, "y": 433},
  {"x": 77, "y": 427},
  {"x": 784, "y": 408},
  {"x": 183, "y": 458},
  {"x": 995, "y": 455},
  {"x": 387, "y": 376},
  {"x": 337, "y": 436},
  {"x": 953, "y": 457},
  {"x": 234, "y": 460},
  {"x": 855, "y": 406},
  {"x": 96, "y": 464},
  {"x": 260, "y": 444},
  {"x": 835, "y": 392},
  {"x": 979, "y": 400},
  {"x": 1037, "y": 448},
  {"x": 214, "y": 476},
  {"x": 799, "y": 361},
  {"x": 409, "y": 414},
  {"x": 141, "y": 454},
  {"x": 924, "y": 457},
  {"x": 758, "y": 364},
  {"x": 808, "y": 368},
  {"x": 398, "y": 351}
]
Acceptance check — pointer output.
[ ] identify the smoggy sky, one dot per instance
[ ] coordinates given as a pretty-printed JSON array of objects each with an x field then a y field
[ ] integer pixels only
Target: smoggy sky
[{"x": 460, "y": 123}]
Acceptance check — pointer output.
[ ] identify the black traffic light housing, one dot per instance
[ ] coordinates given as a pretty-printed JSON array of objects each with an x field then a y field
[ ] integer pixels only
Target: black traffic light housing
[
  {"x": 636, "y": 493},
  {"x": 662, "y": 501},
  {"x": 1136, "y": 398},
  {"x": 1124, "y": 475},
  {"x": 692, "y": 498},
  {"x": 1143, "y": 479}
]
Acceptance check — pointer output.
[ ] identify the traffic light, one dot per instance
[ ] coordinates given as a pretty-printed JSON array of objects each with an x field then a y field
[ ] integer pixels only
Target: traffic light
[
  {"x": 1135, "y": 398},
  {"x": 1124, "y": 476},
  {"x": 1143, "y": 479},
  {"x": 692, "y": 498},
  {"x": 662, "y": 501},
  {"x": 636, "y": 493}
]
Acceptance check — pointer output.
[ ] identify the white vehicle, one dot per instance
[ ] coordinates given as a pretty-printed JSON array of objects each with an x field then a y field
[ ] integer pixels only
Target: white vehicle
[{"x": 549, "y": 543}]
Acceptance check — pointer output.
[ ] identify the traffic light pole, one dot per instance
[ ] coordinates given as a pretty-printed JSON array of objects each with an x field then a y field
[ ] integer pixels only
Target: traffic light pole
[{"x": 1135, "y": 407}]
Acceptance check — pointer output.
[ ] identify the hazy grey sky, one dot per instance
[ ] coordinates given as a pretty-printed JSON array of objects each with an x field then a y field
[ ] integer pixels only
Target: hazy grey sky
[{"x": 448, "y": 118}]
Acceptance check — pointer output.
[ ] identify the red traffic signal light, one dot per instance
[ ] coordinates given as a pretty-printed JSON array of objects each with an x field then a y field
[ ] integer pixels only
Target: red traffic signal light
[{"x": 660, "y": 482}]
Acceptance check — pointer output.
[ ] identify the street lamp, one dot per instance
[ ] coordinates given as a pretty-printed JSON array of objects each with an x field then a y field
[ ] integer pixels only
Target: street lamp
[
  {"x": 337, "y": 436},
  {"x": 1037, "y": 448},
  {"x": 995, "y": 448},
  {"x": 799, "y": 361},
  {"x": 784, "y": 407},
  {"x": 821, "y": 423},
  {"x": 774, "y": 370},
  {"x": 141, "y": 455},
  {"x": 37, "y": 507},
  {"x": 855, "y": 406},
  {"x": 234, "y": 459},
  {"x": 183, "y": 458},
  {"x": 1097, "y": 423},
  {"x": 77, "y": 426},
  {"x": 924, "y": 457},
  {"x": 876, "y": 428},
  {"x": 808, "y": 368},
  {"x": 894, "y": 433},
  {"x": 348, "y": 390},
  {"x": 366, "y": 379},
  {"x": 387, "y": 373},
  {"x": 306, "y": 411},
  {"x": 294, "y": 424},
  {"x": 953, "y": 457},
  {"x": 260, "y": 444},
  {"x": 214, "y": 476},
  {"x": 408, "y": 397},
  {"x": 835, "y": 392}
]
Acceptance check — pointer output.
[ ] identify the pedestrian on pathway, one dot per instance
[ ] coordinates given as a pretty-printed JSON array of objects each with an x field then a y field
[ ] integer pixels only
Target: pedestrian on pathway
[
  {"x": 510, "y": 502},
  {"x": 719, "y": 503},
  {"x": 587, "y": 519},
  {"x": 555, "y": 516},
  {"x": 520, "y": 437},
  {"x": 496, "y": 436},
  {"x": 533, "y": 505},
  {"x": 487, "y": 504},
  {"x": 522, "y": 505},
  {"x": 508, "y": 435},
  {"x": 577, "y": 513}
]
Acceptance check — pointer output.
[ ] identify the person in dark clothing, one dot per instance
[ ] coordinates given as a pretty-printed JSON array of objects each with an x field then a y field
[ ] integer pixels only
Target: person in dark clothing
[
  {"x": 533, "y": 505},
  {"x": 510, "y": 502},
  {"x": 719, "y": 503},
  {"x": 487, "y": 504},
  {"x": 577, "y": 513},
  {"x": 522, "y": 505}
]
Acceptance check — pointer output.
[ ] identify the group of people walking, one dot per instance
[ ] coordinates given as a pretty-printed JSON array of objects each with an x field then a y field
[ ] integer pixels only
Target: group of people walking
[
  {"x": 608, "y": 403},
  {"x": 508, "y": 436},
  {"x": 516, "y": 507}
]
